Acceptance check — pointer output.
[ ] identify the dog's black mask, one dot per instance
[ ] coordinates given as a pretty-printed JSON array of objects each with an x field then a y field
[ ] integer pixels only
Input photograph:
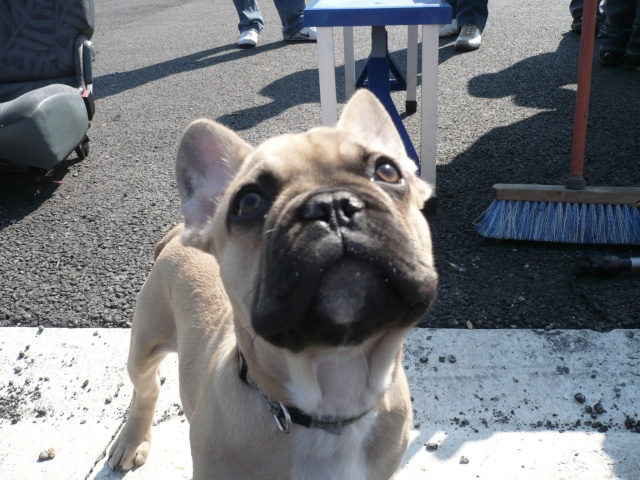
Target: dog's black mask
[{"x": 338, "y": 267}]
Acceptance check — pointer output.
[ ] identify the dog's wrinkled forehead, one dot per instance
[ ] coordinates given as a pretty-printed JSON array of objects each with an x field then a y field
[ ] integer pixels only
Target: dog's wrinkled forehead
[{"x": 320, "y": 153}]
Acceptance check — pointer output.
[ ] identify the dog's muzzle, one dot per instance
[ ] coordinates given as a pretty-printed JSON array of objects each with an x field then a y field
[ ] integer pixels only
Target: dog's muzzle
[{"x": 339, "y": 268}]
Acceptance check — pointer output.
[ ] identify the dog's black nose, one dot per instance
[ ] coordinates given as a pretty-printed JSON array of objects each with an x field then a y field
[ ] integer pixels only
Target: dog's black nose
[{"x": 335, "y": 208}]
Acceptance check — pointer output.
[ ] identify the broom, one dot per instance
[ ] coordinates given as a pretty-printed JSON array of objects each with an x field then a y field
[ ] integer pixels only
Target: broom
[{"x": 574, "y": 213}]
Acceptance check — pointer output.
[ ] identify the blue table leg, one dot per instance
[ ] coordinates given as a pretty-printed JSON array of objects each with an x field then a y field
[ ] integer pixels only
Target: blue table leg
[
  {"x": 379, "y": 85},
  {"x": 397, "y": 81}
]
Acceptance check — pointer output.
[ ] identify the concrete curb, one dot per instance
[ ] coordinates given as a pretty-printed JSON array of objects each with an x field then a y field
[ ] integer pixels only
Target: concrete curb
[{"x": 503, "y": 399}]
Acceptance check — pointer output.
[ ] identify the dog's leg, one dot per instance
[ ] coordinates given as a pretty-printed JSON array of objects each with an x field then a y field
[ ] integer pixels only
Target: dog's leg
[{"x": 153, "y": 335}]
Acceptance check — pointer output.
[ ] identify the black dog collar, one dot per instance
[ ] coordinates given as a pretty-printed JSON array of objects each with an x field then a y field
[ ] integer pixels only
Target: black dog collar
[{"x": 286, "y": 415}]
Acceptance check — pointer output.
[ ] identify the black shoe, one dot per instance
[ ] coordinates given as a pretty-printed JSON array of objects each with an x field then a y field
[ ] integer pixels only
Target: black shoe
[
  {"x": 632, "y": 61},
  {"x": 611, "y": 58},
  {"x": 576, "y": 25}
]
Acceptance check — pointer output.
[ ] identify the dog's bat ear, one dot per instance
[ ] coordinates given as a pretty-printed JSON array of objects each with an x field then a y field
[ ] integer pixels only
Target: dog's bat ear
[
  {"x": 370, "y": 125},
  {"x": 209, "y": 155}
]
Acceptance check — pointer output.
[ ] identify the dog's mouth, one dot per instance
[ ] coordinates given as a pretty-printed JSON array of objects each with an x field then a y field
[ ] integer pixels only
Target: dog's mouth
[
  {"x": 354, "y": 300},
  {"x": 344, "y": 305}
]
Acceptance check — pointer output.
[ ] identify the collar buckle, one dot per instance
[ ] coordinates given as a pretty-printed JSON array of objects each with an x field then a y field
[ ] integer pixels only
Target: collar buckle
[{"x": 282, "y": 418}]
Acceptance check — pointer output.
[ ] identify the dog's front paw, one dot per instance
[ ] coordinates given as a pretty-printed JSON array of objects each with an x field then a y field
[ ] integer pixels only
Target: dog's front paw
[{"x": 129, "y": 450}]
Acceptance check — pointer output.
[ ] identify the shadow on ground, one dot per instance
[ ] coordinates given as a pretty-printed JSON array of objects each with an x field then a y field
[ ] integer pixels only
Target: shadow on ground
[
  {"x": 21, "y": 194},
  {"x": 115, "y": 83},
  {"x": 533, "y": 284}
]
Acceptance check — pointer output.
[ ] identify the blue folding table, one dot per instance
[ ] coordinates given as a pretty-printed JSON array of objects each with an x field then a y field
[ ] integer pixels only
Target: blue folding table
[{"x": 377, "y": 14}]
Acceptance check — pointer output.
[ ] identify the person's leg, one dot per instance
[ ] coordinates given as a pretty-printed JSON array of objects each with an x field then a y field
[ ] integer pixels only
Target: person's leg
[
  {"x": 249, "y": 15},
  {"x": 633, "y": 47},
  {"x": 617, "y": 30},
  {"x": 450, "y": 29},
  {"x": 472, "y": 12},
  {"x": 575, "y": 7},
  {"x": 600, "y": 13},
  {"x": 290, "y": 12}
]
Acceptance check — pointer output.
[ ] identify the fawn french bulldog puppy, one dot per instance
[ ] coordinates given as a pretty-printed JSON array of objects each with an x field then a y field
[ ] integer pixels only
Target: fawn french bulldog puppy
[{"x": 288, "y": 292}]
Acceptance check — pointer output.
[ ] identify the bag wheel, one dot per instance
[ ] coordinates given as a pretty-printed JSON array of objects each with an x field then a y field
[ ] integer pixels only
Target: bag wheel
[{"x": 82, "y": 150}]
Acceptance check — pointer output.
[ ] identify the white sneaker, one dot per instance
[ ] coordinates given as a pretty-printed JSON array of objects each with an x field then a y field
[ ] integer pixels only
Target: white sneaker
[
  {"x": 469, "y": 39},
  {"x": 248, "y": 39},
  {"x": 449, "y": 29},
  {"x": 307, "y": 34}
]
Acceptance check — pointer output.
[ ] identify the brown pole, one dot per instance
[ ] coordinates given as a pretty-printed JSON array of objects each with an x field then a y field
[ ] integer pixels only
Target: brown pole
[{"x": 576, "y": 176}]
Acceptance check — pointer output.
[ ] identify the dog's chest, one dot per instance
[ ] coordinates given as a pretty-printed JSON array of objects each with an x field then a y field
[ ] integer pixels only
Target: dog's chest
[{"x": 321, "y": 455}]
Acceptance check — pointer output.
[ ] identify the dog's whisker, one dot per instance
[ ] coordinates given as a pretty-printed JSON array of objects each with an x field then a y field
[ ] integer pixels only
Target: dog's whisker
[
  {"x": 366, "y": 365},
  {"x": 241, "y": 329},
  {"x": 253, "y": 341},
  {"x": 338, "y": 367},
  {"x": 251, "y": 293}
]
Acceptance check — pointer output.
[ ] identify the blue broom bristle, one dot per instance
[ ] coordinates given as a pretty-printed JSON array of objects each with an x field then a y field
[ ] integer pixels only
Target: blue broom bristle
[{"x": 562, "y": 222}]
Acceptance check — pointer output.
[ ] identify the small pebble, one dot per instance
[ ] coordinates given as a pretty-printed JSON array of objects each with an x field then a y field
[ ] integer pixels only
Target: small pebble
[
  {"x": 580, "y": 398},
  {"x": 464, "y": 460},
  {"x": 441, "y": 358},
  {"x": 431, "y": 446},
  {"x": 452, "y": 359},
  {"x": 631, "y": 424},
  {"x": 49, "y": 454},
  {"x": 85, "y": 383},
  {"x": 598, "y": 408}
]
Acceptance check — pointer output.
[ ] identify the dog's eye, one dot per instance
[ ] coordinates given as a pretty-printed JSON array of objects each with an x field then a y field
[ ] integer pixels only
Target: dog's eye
[
  {"x": 249, "y": 203},
  {"x": 388, "y": 173}
]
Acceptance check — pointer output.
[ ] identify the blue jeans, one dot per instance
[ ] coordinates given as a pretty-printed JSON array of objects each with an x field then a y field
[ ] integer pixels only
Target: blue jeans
[
  {"x": 474, "y": 12},
  {"x": 576, "y": 7},
  {"x": 618, "y": 34},
  {"x": 290, "y": 12}
]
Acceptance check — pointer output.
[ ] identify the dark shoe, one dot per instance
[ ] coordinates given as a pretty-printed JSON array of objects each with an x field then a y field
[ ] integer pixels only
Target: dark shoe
[
  {"x": 306, "y": 34},
  {"x": 576, "y": 25},
  {"x": 632, "y": 61},
  {"x": 611, "y": 58}
]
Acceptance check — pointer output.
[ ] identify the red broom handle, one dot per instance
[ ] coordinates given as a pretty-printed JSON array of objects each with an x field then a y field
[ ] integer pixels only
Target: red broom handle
[{"x": 576, "y": 175}]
